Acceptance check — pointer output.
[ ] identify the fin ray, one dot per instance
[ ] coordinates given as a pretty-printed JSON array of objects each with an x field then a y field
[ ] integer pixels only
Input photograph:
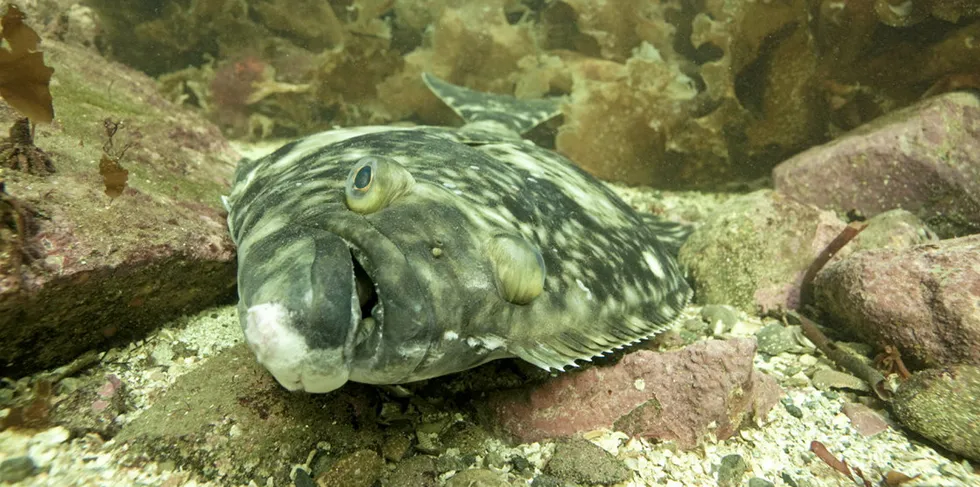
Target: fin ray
[{"x": 565, "y": 349}]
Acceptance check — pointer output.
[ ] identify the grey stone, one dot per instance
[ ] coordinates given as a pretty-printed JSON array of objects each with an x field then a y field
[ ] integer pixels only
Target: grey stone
[
  {"x": 16, "y": 469},
  {"x": 578, "y": 460},
  {"x": 731, "y": 470}
]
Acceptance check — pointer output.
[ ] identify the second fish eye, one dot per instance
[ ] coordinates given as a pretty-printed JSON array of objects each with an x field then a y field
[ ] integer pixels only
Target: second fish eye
[{"x": 363, "y": 177}]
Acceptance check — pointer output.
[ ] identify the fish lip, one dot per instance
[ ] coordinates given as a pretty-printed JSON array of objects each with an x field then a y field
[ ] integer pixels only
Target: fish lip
[{"x": 407, "y": 318}]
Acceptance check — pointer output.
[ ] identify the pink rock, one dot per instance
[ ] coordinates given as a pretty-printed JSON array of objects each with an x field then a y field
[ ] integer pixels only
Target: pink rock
[
  {"x": 925, "y": 159},
  {"x": 864, "y": 419},
  {"x": 922, "y": 300},
  {"x": 96, "y": 268},
  {"x": 666, "y": 396}
]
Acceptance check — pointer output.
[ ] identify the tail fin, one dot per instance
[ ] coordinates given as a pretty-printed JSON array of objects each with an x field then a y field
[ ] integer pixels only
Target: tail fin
[{"x": 517, "y": 115}]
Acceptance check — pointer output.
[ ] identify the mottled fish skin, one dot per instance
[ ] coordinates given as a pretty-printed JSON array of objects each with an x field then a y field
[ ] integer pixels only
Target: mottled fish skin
[{"x": 609, "y": 280}]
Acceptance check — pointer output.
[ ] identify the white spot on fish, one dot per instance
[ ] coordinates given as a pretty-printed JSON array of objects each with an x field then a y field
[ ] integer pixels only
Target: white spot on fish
[
  {"x": 588, "y": 292},
  {"x": 450, "y": 335},
  {"x": 654, "y": 264},
  {"x": 489, "y": 342}
]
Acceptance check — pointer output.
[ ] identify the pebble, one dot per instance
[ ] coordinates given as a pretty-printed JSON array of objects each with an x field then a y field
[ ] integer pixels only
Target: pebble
[
  {"x": 720, "y": 317},
  {"x": 359, "y": 469},
  {"x": 51, "y": 437},
  {"x": 521, "y": 464},
  {"x": 864, "y": 419},
  {"x": 449, "y": 462},
  {"x": 396, "y": 447},
  {"x": 792, "y": 409},
  {"x": 774, "y": 339},
  {"x": 477, "y": 477},
  {"x": 580, "y": 461},
  {"x": 731, "y": 470},
  {"x": 832, "y": 379},
  {"x": 545, "y": 480},
  {"x": 808, "y": 360},
  {"x": 16, "y": 469}
]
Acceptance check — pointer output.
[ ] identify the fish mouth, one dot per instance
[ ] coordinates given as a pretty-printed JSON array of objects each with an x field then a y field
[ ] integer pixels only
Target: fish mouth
[{"x": 368, "y": 308}]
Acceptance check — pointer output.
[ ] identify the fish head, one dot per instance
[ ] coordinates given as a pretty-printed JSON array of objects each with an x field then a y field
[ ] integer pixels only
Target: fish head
[
  {"x": 356, "y": 262},
  {"x": 323, "y": 293}
]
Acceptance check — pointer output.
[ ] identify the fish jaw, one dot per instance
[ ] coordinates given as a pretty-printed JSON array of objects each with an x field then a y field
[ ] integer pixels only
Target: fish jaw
[
  {"x": 271, "y": 335},
  {"x": 299, "y": 307}
]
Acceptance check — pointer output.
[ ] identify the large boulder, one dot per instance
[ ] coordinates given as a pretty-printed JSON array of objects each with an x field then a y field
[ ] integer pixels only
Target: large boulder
[
  {"x": 925, "y": 159},
  {"x": 922, "y": 300},
  {"x": 79, "y": 267}
]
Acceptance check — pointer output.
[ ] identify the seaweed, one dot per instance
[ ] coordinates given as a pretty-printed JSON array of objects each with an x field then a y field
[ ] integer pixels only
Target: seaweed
[
  {"x": 18, "y": 151},
  {"x": 840, "y": 465},
  {"x": 17, "y": 226},
  {"x": 892, "y": 478},
  {"x": 24, "y": 79},
  {"x": 850, "y": 231},
  {"x": 842, "y": 358},
  {"x": 114, "y": 176}
]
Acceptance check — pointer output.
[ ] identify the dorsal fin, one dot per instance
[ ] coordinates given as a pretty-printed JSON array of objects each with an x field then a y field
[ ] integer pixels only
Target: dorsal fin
[
  {"x": 474, "y": 106},
  {"x": 671, "y": 234}
]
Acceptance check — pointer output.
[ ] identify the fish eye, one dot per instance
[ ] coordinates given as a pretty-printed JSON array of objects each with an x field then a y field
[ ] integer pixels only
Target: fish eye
[
  {"x": 375, "y": 182},
  {"x": 363, "y": 178}
]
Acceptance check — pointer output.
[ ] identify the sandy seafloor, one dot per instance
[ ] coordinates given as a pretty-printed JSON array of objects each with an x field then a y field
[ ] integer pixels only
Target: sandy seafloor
[{"x": 779, "y": 445}]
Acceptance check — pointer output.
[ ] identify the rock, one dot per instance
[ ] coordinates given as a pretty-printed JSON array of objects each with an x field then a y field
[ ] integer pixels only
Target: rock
[
  {"x": 98, "y": 268},
  {"x": 93, "y": 407},
  {"x": 15, "y": 469},
  {"x": 359, "y": 469},
  {"x": 449, "y": 462},
  {"x": 925, "y": 159},
  {"x": 466, "y": 437},
  {"x": 417, "y": 471},
  {"x": 921, "y": 300},
  {"x": 776, "y": 338},
  {"x": 719, "y": 316},
  {"x": 396, "y": 447},
  {"x": 579, "y": 461},
  {"x": 824, "y": 379},
  {"x": 545, "y": 480},
  {"x": 758, "y": 482},
  {"x": 792, "y": 409},
  {"x": 521, "y": 464},
  {"x": 753, "y": 253},
  {"x": 943, "y": 405},
  {"x": 892, "y": 229},
  {"x": 731, "y": 470},
  {"x": 669, "y": 396},
  {"x": 864, "y": 419},
  {"x": 228, "y": 419},
  {"x": 477, "y": 477}
]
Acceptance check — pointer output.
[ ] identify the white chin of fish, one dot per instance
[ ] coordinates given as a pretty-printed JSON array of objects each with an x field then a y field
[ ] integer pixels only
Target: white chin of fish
[{"x": 284, "y": 352}]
